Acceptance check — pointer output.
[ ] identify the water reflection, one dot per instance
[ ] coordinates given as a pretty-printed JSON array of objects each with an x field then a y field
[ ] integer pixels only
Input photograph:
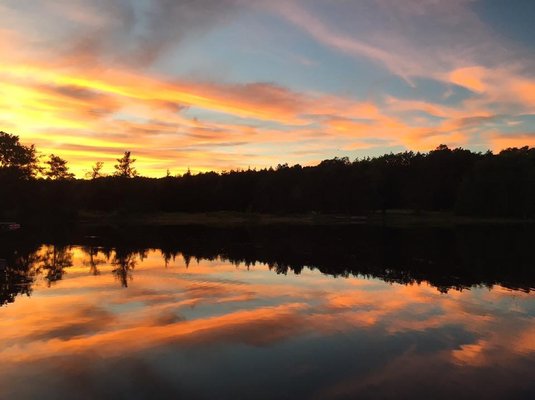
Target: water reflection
[
  {"x": 93, "y": 260},
  {"x": 207, "y": 314},
  {"x": 53, "y": 260}
]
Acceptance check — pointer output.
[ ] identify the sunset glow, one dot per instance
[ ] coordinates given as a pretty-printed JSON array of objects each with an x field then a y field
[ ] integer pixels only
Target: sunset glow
[{"x": 228, "y": 84}]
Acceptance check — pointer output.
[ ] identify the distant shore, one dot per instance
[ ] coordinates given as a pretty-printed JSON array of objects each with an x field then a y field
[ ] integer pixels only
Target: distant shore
[{"x": 225, "y": 218}]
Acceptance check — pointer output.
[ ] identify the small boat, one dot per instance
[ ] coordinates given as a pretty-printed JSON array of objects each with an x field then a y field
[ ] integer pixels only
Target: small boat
[{"x": 9, "y": 226}]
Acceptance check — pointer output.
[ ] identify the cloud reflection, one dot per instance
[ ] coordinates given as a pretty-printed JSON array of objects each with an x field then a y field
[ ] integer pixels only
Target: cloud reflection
[{"x": 216, "y": 304}]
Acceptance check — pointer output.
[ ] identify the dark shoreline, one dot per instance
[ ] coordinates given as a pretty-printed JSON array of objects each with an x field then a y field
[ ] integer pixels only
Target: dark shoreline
[{"x": 223, "y": 218}]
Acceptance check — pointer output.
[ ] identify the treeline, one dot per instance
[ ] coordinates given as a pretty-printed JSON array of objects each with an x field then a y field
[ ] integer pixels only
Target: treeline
[{"x": 453, "y": 180}]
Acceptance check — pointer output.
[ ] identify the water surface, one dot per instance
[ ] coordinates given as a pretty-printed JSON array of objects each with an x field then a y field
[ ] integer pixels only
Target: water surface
[{"x": 278, "y": 312}]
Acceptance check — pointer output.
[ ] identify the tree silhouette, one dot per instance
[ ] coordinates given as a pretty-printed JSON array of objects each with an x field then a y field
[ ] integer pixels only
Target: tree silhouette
[
  {"x": 125, "y": 166},
  {"x": 57, "y": 168},
  {"x": 17, "y": 160},
  {"x": 96, "y": 171}
]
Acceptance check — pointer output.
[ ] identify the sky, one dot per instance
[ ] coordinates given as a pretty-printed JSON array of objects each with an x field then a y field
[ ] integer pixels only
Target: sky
[{"x": 232, "y": 84}]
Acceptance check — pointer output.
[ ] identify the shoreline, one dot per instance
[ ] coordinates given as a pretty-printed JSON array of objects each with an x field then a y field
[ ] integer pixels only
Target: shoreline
[{"x": 224, "y": 218}]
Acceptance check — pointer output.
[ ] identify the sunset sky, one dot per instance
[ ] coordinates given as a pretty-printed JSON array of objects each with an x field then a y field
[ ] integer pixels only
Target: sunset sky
[{"x": 226, "y": 84}]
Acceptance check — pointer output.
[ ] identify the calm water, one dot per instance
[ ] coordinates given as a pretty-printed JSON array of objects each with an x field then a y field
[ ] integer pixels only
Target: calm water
[{"x": 280, "y": 312}]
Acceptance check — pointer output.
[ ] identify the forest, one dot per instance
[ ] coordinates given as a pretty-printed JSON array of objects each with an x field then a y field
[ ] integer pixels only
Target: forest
[{"x": 457, "y": 180}]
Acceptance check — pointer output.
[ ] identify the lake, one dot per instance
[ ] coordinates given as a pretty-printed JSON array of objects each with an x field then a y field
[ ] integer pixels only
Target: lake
[{"x": 275, "y": 312}]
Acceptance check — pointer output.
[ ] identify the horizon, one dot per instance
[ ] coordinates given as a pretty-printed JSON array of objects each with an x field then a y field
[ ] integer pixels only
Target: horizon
[
  {"x": 227, "y": 85},
  {"x": 109, "y": 170}
]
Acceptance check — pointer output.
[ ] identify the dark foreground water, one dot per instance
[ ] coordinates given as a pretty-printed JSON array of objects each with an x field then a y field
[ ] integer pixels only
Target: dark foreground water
[{"x": 267, "y": 313}]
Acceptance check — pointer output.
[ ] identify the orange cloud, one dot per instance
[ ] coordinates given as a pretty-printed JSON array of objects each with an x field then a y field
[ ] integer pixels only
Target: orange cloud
[
  {"x": 500, "y": 141},
  {"x": 470, "y": 77}
]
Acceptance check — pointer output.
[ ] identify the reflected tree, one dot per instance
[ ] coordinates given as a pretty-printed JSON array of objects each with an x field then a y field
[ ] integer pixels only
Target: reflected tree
[
  {"x": 54, "y": 261},
  {"x": 187, "y": 259},
  {"x": 92, "y": 259},
  {"x": 124, "y": 262},
  {"x": 17, "y": 275},
  {"x": 168, "y": 255}
]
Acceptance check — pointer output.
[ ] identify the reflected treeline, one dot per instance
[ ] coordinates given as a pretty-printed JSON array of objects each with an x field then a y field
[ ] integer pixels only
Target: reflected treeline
[
  {"x": 445, "y": 258},
  {"x": 17, "y": 271},
  {"x": 20, "y": 266}
]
